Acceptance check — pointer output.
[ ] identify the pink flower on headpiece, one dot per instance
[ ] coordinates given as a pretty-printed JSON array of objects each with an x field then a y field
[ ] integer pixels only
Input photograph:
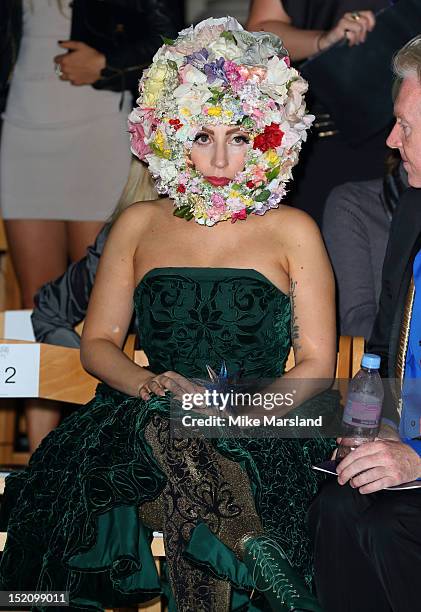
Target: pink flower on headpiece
[
  {"x": 217, "y": 200},
  {"x": 218, "y": 207},
  {"x": 257, "y": 72},
  {"x": 259, "y": 175},
  {"x": 137, "y": 139},
  {"x": 239, "y": 215},
  {"x": 234, "y": 75},
  {"x": 142, "y": 123}
]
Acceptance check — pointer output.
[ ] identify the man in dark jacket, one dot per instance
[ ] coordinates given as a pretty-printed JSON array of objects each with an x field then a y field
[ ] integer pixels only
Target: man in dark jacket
[{"x": 378, "y": 536}]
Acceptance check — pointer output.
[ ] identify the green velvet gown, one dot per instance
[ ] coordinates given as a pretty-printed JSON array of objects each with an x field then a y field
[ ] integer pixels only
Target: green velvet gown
[{"x": 81, "y": 516}]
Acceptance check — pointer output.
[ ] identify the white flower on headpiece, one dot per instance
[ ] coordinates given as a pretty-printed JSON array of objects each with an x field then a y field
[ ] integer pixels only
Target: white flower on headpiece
[
  {"x": 222, "y": 47},
  {"x": 195, "y": 38},
  {"x": 191, "y": 97},
  {"x": 163, "y": 168},
  {"x": 277, "y": 76},
  {"x": 190, "y": 74}
]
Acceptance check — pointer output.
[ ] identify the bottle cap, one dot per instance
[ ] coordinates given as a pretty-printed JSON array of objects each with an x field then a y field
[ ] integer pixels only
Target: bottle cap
[{"x": 370, "y": 361}]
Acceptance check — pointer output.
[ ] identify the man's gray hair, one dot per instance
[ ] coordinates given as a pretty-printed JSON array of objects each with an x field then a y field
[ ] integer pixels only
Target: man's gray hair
[{"x": 406, "y": 63}]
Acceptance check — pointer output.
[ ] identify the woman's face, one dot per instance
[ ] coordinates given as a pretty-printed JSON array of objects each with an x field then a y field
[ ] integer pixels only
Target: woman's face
[{"x": 219, "y": 152}]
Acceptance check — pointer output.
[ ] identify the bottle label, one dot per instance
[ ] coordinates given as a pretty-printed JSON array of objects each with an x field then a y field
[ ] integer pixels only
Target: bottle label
[{"x": 362, "y": 415}]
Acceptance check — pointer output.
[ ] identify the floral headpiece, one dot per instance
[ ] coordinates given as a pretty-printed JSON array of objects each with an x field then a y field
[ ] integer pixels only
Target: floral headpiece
[{"x": 218, "y": 73}]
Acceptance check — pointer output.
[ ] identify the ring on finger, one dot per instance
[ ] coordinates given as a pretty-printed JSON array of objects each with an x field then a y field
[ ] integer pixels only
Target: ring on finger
[
  {"x": 355, "y": 15},
  {"x": 58, "y": 70},
  {"x": 157, "y": 383}
]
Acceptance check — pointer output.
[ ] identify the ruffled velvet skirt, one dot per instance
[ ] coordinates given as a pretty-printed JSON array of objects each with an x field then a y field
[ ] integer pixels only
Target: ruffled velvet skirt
[{"x": 81, "y": 517}]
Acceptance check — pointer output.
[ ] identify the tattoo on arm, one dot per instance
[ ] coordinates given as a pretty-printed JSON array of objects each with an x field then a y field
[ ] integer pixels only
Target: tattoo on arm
[{"x": 295, "y": 328}]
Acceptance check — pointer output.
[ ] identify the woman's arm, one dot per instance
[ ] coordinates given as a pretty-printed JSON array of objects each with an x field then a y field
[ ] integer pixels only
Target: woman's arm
[
  {"x": 62, "y": 304},
  {"x": 270, "y": 16},
  {"x": 119, "y": 66},
  {"x": 111, "y": 307},
  {"x": 313, "y": 327}
]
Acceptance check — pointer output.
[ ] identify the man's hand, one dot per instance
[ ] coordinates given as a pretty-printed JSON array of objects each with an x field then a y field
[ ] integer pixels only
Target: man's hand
[
  {"x": 82, "y": 66},
  {"x": 379, "y": 464}
]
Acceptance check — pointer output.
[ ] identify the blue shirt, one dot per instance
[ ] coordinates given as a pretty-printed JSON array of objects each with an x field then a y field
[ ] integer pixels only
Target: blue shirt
[{"x": 410, "y": 424}]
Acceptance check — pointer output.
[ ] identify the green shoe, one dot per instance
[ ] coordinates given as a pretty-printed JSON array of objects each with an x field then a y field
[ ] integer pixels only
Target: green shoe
[{"x": 274, "y": 577}]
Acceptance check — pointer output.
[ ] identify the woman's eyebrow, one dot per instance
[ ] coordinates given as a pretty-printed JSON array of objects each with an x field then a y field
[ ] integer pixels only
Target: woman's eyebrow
[{"x": 236, "y": 129}]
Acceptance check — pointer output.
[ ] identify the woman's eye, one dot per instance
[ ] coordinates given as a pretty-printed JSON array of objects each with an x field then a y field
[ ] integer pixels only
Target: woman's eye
[
  {"x": 241, "y": 139},
  {"x": 201, "y": 138}
]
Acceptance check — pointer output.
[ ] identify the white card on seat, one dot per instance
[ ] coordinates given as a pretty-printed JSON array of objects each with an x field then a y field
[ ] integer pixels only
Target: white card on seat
[
  {"x": 18, "y": 325},
  {"x": 19, "y": 370}
]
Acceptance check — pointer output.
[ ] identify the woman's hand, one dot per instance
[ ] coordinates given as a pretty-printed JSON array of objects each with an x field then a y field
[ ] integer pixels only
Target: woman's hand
[
  {"x": 82, "y": 66},
  {"x": 353, "y": 25},
  {"x": 159, "y": 384}
]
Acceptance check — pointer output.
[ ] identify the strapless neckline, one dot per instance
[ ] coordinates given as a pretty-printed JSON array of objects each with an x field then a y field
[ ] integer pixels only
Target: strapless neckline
[{"x": 208, "y": 271}]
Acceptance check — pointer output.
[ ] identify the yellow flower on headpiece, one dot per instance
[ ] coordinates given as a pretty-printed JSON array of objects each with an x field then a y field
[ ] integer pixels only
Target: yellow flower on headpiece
[
  {"x": 272, "y": 157},
  {"x": 159, "y": 143},
  {"x": 185, "y": 112},
  {"x": 214, "y": 111}
]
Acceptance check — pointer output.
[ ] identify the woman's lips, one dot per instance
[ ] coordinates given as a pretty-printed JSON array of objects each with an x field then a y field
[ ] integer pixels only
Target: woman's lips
[{"x": 218, "y": 181}]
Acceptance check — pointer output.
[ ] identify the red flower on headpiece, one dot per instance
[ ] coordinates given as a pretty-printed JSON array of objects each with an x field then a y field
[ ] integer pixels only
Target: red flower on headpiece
[
  {"x": 181, "y": 189},
  {"x": 239, "y": 215},
  {"x": 176, "y": 124},
  {"x": 270, "y": 138}
]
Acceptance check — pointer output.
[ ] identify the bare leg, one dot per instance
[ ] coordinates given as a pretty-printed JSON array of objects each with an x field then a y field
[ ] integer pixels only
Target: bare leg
[
  {"x": 80, "y": 235},
  {"x": 39, "y": 253}
]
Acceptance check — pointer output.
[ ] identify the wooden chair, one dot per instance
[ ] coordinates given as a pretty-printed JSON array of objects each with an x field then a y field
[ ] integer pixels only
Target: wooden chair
[
  {"x": 62, "y": 378},
  {"x": 348, "y": 362}
]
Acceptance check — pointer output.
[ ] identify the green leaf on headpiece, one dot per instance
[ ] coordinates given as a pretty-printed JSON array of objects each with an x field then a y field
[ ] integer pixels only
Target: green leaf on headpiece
[
  {"x": 247, "y": 122},
  {"x": 217, "y": 95},
  {"x": 263, "y": 196},
  {"x": 272, "y": 174},
  {"x": 157, "y": 150},
  {"x": 228, "y": 35},
  {"x": 167, "y": 41},
  {"x": 236, "y": 186},
  {"x": 183, "y": 212},
  {"x": 172, "y": 64}
]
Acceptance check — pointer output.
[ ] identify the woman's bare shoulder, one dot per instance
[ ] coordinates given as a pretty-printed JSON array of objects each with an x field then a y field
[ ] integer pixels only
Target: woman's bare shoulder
[
  {"x": 293, "y": 223},
  {"x": 140, "y": 216}
]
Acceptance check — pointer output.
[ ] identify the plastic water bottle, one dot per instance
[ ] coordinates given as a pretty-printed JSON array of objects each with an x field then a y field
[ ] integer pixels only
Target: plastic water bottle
[{"x": 361, "y": 418}]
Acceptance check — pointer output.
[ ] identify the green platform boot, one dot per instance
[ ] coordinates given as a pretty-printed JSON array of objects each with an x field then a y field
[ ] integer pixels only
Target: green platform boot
[{"x": 275, "y": 578}]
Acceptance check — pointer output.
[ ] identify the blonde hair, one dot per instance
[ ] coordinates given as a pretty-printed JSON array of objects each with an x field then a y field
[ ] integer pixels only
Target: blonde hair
[{"x": 139, "y": 187}]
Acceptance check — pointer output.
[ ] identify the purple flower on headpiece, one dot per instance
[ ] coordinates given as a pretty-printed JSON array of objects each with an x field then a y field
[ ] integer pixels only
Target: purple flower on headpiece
[
  {"x": 215, "y": 70},
  {"x": 198, "y": 58},
  {"x": 272, "y": 202}
]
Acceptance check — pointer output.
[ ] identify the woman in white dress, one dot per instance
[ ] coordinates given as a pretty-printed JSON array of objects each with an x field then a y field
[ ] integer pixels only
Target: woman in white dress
[{"x": 64, "y": 152}]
